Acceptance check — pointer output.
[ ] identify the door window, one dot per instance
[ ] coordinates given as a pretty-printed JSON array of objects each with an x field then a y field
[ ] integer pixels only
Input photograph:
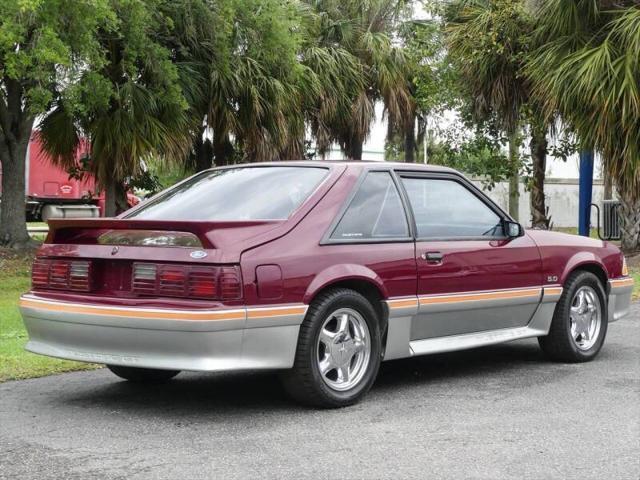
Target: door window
[
  {"x": 447, "y": 209},
  {"x": 375, "y": 213}
]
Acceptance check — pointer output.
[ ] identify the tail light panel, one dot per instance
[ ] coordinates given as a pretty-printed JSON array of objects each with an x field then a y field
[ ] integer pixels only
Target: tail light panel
[
  {"x": 61, "y": 274},
  {"x": 186, "y": 281},
  {"x": 203, "y": 282}
]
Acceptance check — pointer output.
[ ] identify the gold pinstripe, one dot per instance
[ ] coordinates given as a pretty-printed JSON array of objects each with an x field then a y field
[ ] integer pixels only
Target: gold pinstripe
[
  {"x": 529, "y": 292},
  {"x": 553, "y": 290},
  {"x": 621, "y": 282},
  {"x": 403, "y": 302},
  {"x": 474, "y": 296},
  {"x": 164, "y": 314}
]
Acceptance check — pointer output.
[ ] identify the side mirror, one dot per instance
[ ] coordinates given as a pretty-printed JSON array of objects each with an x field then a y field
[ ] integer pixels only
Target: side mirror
[{"x": 513, "y": 229}]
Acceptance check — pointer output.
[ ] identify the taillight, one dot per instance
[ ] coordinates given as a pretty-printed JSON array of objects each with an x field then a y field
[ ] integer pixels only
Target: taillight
[
  {"x": 61, "y": 274},
  {"x": 172, "y": 280},
  {"x": 229, "y": 283},
  {"x": 203, "y": 283}
]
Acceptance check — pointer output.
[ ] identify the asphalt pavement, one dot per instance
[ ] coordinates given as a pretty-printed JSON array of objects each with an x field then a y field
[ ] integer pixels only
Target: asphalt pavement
[{"x": 491, "y": 413}]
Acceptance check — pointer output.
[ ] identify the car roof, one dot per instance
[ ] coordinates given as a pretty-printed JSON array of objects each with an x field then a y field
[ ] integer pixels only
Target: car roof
[{"x": 349, "y": 163}]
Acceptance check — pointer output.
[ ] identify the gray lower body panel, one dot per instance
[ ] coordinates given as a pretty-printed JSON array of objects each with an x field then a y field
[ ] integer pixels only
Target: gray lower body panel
[
  {"x": 537, "y": 327},
  {"x": 471, "y": 324},
  {"x": 619, "y": 301},
  {"x": 458, "y": 322},
  {"x": 252, "y": 342}
]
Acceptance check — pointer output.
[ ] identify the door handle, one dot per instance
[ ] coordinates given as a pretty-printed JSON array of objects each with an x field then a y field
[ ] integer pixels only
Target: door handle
[{"x": 432, "y": 257}]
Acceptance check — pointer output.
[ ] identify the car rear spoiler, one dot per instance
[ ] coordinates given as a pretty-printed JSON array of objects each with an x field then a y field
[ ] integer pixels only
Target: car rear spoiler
[{"x": 66, "y": 230}]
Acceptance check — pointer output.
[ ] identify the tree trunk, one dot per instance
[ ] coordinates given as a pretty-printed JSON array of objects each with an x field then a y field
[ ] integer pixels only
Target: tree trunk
[
  {"x": 222, "y": 149},
  {"x": 13, "y": 221},
  {"x": 608, "y": 186},
  {"x": 538, "y": 147},
  {"x": 115, "y": 198},
  {"x": 410, "y": 142},
  {"x": 204, "y": 155},
  {"x": 353, "y": 150},
  {"x": 203, "y": 151},
  {"x": 122, "y": 204},
  {"x": 514, "y": 179},
  {"x": 110, "y": 196},
  {"x": 630, "y": 216},
  {"x": 15, "y": 133}
]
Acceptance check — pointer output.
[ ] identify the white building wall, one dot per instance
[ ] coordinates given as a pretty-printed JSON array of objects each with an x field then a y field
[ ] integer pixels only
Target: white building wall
[{"x": 561, "y": 200}]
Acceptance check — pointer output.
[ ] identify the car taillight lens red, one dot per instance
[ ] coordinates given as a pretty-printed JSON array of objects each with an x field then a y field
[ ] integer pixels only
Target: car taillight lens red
[
  {"x": 229, "y": 280},
  {"x": 61, "y": 274},
  {"x": 169, "y": 280},
  {"x": 203, "y": 283}
]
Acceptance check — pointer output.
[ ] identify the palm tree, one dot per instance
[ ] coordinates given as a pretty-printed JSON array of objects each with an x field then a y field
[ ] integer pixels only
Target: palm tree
[
  {"x": 248, "y": 99},
  {"x": 487, "y": 42},
  {"x": 587, "y": 69},
  {"x": 198, "y": 42},
  {"x": 359, "y": 37},
  {"x": 130, "y": 105}
]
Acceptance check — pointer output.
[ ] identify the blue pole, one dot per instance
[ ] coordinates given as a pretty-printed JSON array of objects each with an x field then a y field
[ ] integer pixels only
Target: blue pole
[{"x": 586, "y": 188}]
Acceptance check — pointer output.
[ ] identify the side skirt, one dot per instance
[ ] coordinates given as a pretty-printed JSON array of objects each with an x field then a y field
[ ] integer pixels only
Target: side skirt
[
  {"x": 538, "y": 326},
  {"x": 471, "y": 340}
]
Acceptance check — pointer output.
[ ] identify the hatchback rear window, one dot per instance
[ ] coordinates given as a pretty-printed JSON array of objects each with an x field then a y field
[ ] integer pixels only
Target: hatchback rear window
[{"x": 247, "y": 193}]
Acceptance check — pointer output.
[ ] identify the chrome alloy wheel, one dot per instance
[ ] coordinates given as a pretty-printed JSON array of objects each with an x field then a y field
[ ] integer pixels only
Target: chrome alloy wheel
[
  {"x": 344, "y": 349},
  {"x": 586, "y": 317}
]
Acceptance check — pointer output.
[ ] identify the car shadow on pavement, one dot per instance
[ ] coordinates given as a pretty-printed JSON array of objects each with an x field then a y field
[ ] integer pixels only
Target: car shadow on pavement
[
  {"x": 195, "y": 394},
  {"x": 484, "y": 363}
]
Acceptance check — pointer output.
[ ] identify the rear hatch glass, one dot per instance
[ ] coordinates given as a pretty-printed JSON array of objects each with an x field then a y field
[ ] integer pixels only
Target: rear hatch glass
[{"x": 244, "y": 193}]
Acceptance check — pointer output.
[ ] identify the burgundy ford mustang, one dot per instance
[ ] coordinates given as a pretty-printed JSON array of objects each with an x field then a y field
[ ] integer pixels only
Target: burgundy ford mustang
[{"x": 320, "y": 269}]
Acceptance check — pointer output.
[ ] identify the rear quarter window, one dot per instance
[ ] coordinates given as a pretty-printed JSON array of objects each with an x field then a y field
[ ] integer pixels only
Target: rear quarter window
[{"x": 375, "y": 212}]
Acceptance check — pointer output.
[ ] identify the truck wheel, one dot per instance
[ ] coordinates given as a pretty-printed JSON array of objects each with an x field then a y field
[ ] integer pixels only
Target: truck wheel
[
  {"x": 339, "y": 351},
  {"x": 143, "y": 375},
  {"x": 579, "y": 324}
]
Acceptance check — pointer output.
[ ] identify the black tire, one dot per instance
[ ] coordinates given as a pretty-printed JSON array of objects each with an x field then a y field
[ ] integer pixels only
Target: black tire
[
  {"x": 559, "y": 344},
  {"x": 143, "y": 375},
  {"x": 304, "y": 382}
]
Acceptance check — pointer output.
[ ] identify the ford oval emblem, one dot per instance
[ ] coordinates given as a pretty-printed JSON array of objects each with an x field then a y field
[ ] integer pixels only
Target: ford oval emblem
[{"x": 198, "y": 254}]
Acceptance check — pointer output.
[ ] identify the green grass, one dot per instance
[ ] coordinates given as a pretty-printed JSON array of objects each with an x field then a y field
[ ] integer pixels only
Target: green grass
[
  {"x": 15, "y": 362},
  {"x": 635, "y": 273},
  {"x": 37, "y": 224},
  {"x": 37, "y": 236}
]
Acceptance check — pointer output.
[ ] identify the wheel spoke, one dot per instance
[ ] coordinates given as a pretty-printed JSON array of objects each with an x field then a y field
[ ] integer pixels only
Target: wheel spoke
[
  {"x": 325, "y": 365},
  {"x": 343, "y": 324},
  {"x": 586, "y": 336},
  {"x": 582, "y": 301},
  {"x": 581, "y": 325},
  {"x": 343, "y": 373},
  {"x": 358, "y": 346},
  {"x": 327, "y": 337}
]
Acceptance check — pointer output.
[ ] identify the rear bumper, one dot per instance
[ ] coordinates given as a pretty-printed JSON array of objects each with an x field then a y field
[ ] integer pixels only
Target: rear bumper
[
  {"x": 619, "y": 297},
  {"x": 213, "y": 340}
]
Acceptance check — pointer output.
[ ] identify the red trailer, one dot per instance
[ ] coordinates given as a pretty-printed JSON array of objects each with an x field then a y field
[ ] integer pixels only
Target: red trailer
[{"x": 51, "y": 193}]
